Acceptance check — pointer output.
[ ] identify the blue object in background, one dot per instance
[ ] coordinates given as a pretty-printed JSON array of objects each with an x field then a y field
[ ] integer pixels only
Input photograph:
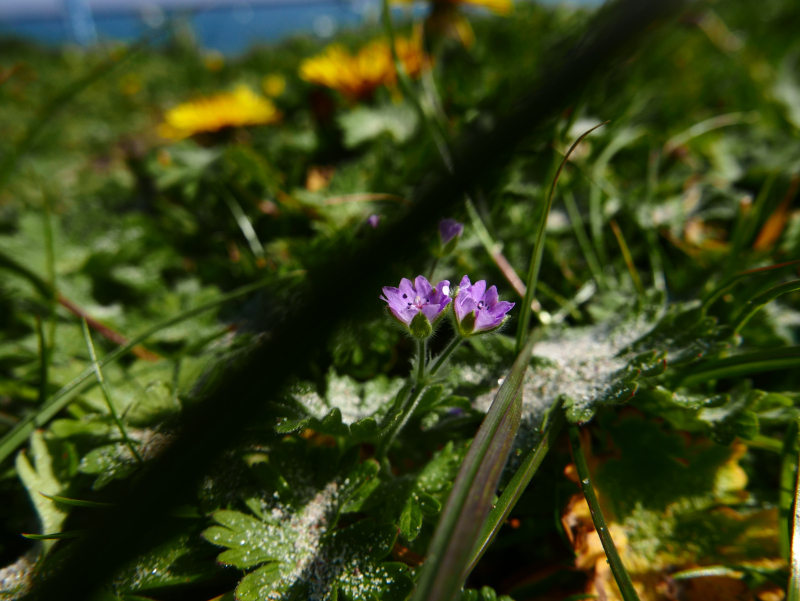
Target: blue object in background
[
  {"x": 79, "y": 14},
  {"x": 229, "y": 26}
]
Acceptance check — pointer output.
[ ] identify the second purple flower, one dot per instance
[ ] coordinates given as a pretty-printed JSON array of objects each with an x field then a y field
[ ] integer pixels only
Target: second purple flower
[{"x": 477, "y": 309}]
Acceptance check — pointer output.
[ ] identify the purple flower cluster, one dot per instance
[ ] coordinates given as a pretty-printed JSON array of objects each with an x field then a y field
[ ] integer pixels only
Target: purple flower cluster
[{"x": 419, "y": 306}]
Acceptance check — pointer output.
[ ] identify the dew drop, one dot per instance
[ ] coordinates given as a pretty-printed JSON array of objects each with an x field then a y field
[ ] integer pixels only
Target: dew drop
[{"x": 586, "y": 481}]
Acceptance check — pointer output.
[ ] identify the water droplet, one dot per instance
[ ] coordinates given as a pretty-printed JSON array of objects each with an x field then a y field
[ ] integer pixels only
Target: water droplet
[{"x": 586, "y": 481}]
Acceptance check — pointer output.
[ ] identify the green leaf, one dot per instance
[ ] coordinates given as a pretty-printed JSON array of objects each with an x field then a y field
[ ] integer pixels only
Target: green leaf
[{"x": 40, "y": 480}]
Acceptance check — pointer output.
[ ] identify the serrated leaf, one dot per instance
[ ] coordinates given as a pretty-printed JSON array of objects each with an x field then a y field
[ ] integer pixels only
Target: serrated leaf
[
  {"x": 40, "y": 478},
  {"x": 367, "y": 123}
]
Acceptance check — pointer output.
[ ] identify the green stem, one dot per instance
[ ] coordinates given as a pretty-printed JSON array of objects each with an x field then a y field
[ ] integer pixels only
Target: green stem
[
  {"x": 407, "y": 408},
  {"x": 449, "y": 349},
  {"x": 421, "y": 363},
  {"x": 617, "y": 568},
  {"x": 106, "y": 394}
]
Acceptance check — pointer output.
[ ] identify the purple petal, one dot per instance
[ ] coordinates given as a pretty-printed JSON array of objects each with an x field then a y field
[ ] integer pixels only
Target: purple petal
[
  {"x": 487, "y": 320},
  {"x": 441, "y": 293},
  {"x": 432, "y": 311},
  {"x": 373, "y": 221},
  {"x": 478, "y": 290},
  {"x": 423, "y": 286},
  {"x": 465, "y": 284},
  {"x": 464, "y": 306},
  {"x": 407, "y": 288},
  {"x": 490, "y": 298}
]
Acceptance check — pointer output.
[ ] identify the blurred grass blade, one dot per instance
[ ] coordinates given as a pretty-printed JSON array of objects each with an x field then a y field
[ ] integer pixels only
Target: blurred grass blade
[
  {"x": 730, "y": 282},
  {"x": 517, "y": 485},
  {"x": 787, "y": 488},
  {"x": 755, "y": 304},
  {"x": 243, "y": 221},
  {"x": 794, "y": 580},
  {"x": 628, "y": 258},
  {"x": 538, "y": 249},
  {"x": 56, "y": 535},
  {"x": 16, "y": 437},
  {"x": 76, "y": 502},
  {"x": 617, "y": 568},
  {"x": 744, "y": 229},
  {"x": 583, "y": 240},
  {"x": 87, "y": 336},
  {"x": 741, "y": 365},
  {"x": 469, "y": 503}
]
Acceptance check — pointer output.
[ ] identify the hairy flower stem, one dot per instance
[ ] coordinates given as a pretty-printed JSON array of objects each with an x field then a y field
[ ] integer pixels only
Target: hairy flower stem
[
  {"x": 449, "y": 349},
  {"x": 409, "y": 405}
]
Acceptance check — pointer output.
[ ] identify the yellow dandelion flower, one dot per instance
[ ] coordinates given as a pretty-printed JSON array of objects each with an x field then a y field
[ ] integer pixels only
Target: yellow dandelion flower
[
  {"x": 229, "y": 109},
  {"x": 274, "y": 85},
  {"x": 358, "y": 76}
]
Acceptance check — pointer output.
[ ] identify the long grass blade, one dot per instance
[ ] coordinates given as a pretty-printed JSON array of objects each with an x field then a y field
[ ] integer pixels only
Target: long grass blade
[
  {"x": 517, "y": 485},
  {"x": 730, "y": 282},
  {"x": 742, "y": 365},
  {"x": 538, "y": 249},
  {"x": 77, "y": 502},
  {"x": 87, "y": 336},
  {"x": 12, "y": 440},
  {"x": 469, "y": 503},
  {"x": 243, "y": 221},
  {"x": 626, "y": 255},
  {"x": 615, "y": 561},
  {"x": 794, "y": 580},
  {"x": 56, "y": 535},
  {"x": 786, "y": 491},
  {"x": 583, "y": 240},
  {"x": 755, "y": 304}
]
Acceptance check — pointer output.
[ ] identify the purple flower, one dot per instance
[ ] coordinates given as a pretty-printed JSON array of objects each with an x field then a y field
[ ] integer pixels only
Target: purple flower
[
  {"x": 373, "y": 221},
  {"x": 449, "y": 229},
  {"x": 418, "y": 305},
  {"x": 477, "y": 309}
]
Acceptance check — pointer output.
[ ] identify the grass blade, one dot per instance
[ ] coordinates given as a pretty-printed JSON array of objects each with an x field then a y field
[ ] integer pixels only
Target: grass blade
[
  {"x": 742, "y": 365},
  {"x": 538, "y": 249},
  {"x": 87, "y": 336},
  {"x": 755, "y": 304},
  {"x": 517, "y": 485},
  {"x": 794, "y": 580},
  {"x": 730, "y": 282},
  {"x": 583, "y": 240},
  {"x": 617, "y": 568},
  {"x": 244, "y": 223},
  {"x": 469, "y": 502},
  {"x": 786, "y": 490},
  {"x": 626, "y": 255},
  {"x": 76, "y": 502},
  {"x": 56, "y": 535}
]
